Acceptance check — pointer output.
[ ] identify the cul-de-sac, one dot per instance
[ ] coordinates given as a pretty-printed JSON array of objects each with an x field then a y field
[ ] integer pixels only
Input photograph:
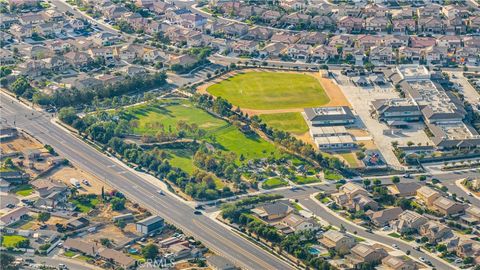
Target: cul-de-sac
[{"x": 240, "y": 135}]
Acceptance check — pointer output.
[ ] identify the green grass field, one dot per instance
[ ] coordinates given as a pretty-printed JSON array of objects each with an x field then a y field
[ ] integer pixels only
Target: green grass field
[
  {"x": 85, "y": 207},
  {"x": 301, "y": 180},
  {"x": 220, "y": 133},
  {"x": 11, "y": 240},
  {"x": 351, "y": 159},
  {"x": 23, "y": 190},
  {"x": 274, "y": 183},
  {"x": 289, "y": 122},
  {"x": 271, "y": 90}
]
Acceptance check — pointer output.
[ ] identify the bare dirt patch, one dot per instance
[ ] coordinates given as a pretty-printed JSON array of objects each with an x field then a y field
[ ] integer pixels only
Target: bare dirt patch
[{"x": 65, "y": 173}]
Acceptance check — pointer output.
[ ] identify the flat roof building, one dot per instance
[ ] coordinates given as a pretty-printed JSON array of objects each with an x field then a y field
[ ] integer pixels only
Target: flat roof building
[
  {"x": 327, "y": 116},
  {"x": 150, "y": 224}
]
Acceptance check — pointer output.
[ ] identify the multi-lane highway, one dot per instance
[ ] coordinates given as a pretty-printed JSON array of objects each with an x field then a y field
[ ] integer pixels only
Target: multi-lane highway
[{"x": 218, "y": 238}]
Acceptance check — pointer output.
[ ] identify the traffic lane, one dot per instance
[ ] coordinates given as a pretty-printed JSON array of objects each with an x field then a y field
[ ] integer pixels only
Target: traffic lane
[
  {"x": 336, "y": 221},
  {"x": 145, "y": 193}
]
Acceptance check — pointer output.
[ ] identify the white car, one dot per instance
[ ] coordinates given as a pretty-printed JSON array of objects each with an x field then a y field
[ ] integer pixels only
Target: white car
[
  {"x": 395, "y": 246},
  {"x": 422, "y": 259},
  {"x": 160, "y": 192}
]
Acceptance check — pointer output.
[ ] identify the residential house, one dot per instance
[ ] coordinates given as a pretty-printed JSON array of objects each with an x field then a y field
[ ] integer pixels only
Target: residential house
[
  {"x": 271, "y": 16},
  {"x": 272, "y": 50},
  {"x": 408, "y": 222},
  {"x": 422, "y": 42},
  {"x": 448, "y": 207},
  {"x": 297, "y": 223},
  {"x": 322, "y": 53},
  {"x": 273, "y": 211},
  {"x": 77, "y": 59},
  {"x": 258, "y": 33},
  {"x": 114, "y": 12},
  {"x": 235, "y": 29},
  {"x": 321, "y": 22},
  {"x": 52, "y": 193},
  {"x": 468, "y": 248},
  {"x": 408, "y": 189},
  {"x": 341, "y": 242},
  {"x": 361, "y": 254},
  {"x": 190, "y": 20},
  {"x": 427, "y": 195},
  {"x": 384, "y": 217},
  {"x": 284, "y": 37},
  {"x": 13, "y": 216},
  {"x": 350, "y": 24},
  {"x": 472, "y": 215},
  {"x": 376, "y": 24},
  {"x": 431, "y": 25},
  {"x": 299, "y": 51},
  {"x": 398, "y": 263},
  {"x": 296, "y": 19},
  {"x": 450, "y": 41},
  {"x": 77, "y": 223},
  {"x": 87, "y": 248},
  {"x": 117, "y": 257},
  {"x": 435, "y": 231},
  {"x": 380, "y": 55},
  {"x": 403, "y": 25}
]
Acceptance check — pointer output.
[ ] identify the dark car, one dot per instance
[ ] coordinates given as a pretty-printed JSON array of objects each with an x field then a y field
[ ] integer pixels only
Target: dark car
[{"x": 197, "y": 212}]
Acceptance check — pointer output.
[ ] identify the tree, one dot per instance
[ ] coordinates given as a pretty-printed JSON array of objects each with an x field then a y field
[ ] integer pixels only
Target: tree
[
  {"x": 395, "y": 179},
  {"x": 43, "y": 217},
  {"x": 20, "y": 86},
  {"x": 150, "y": 251},
  {"x": 117, "y": 203},
  {"x": 6, "y": 262},
  {"x": 366, "y": 182}
]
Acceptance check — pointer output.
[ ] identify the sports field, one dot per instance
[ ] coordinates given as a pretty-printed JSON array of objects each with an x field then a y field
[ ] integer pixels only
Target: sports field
[
  {"x": 271, "y": 90},
  {"x": 290, "y": 122}
]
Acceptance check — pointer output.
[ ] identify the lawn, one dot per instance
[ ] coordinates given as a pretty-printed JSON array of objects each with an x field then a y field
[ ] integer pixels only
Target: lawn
[
  {"x": 271, "y": 90},
  {"x": 301, "y": 180},
  {"x": 11, "y": 240},
  {"x": 395, "y": 235},
  {"x": 69, "y": 253},
  {"x": 23, "y": 190},
  {"x": 329, "y": 175},
  {"x": 351, "y": 159},
  {"x": 85, "y": 207},
  {"x": 289, "y": 122},
  {"x": 274, "y": 183},
  {"x": 223, "y": 136}
]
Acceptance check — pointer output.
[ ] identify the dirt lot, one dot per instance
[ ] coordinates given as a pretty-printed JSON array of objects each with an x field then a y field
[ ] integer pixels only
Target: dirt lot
[
  {"x": 65, "y": 173},
  {"x": 115, "y": 234},
  {"x": 22, "y": 143}
]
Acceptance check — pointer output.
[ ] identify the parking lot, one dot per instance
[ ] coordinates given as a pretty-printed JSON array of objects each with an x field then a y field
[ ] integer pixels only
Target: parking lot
[{"x": 383, "y": 136}]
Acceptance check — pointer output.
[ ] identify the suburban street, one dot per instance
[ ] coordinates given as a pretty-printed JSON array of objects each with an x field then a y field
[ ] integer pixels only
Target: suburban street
[{"x": 218, "y": 238}]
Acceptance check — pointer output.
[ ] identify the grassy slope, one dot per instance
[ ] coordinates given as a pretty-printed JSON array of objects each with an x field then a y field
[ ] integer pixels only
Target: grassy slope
[
  {"x": 274, "y": 183},
  {"x": 289, "y": 122},
  {"x": 271, "y": 90},
  {"x": 227, "y": 137}
]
